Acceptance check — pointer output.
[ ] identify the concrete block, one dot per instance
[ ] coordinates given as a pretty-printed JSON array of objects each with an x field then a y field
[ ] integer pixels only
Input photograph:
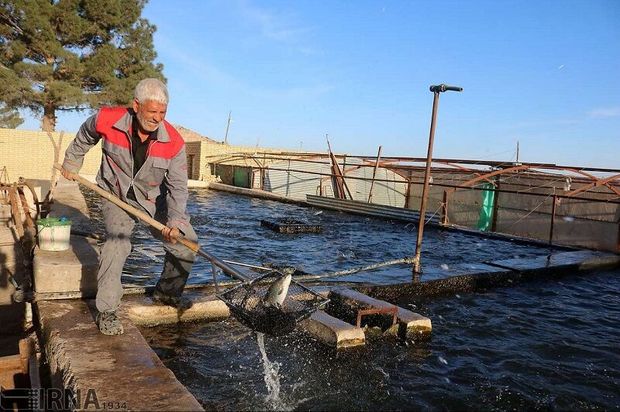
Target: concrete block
[
  {"x": 409, "y": 325},
  {"x": 72, "y": 270},
  {"x": 120, "y": 371},
  {"x": 332, "y": 331},
  {"x": 143, "y": 311}
]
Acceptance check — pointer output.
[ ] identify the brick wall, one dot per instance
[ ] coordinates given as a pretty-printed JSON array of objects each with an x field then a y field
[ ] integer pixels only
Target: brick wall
[{"x": 30, "y": 154}]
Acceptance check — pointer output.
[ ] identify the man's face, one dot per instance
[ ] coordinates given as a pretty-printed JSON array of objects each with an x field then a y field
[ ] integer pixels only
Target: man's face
[{"x": 150, "y": 114}]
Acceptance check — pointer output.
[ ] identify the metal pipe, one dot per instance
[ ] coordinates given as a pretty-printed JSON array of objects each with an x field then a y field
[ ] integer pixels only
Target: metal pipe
[
  {"x": 427, "y": 172},
  {"x": 429, "y": 158}
]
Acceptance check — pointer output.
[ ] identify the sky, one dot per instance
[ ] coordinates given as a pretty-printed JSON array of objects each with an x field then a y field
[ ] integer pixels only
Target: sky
[{"x": 543, "y": 73}]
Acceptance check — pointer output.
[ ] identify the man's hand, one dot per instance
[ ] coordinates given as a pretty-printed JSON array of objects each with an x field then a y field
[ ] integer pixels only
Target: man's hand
[
  {"x": 67, "y": 174},
  {"x": 170, "y": 234}
]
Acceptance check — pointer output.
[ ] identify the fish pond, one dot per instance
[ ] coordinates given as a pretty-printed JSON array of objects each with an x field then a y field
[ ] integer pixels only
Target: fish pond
[{"x": 546, "y": 344}]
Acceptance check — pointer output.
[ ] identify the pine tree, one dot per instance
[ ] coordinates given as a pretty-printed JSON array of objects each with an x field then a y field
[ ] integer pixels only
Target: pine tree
[
  {"x": 9, "y": 118},
  {"x": 73, "y": 54}
]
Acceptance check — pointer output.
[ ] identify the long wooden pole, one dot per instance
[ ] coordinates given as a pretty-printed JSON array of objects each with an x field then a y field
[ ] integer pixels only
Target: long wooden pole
[{"x": 155, "y": 224}]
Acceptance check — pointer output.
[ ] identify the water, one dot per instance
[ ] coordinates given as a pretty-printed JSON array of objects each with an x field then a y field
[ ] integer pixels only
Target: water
[
  {"x": 540, "y": 345},
  {"x": 228, "y": 226},
  {"x": 272, "y": 378}
]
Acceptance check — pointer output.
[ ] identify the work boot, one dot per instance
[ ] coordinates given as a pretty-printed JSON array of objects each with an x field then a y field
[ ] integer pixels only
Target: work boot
[
  {"x": 179, "y": 302},
  {"x": 109, "y": 323}
]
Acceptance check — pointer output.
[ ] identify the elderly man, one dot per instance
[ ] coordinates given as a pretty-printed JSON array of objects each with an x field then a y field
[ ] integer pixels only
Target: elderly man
[{"x": 143, "y": 164}]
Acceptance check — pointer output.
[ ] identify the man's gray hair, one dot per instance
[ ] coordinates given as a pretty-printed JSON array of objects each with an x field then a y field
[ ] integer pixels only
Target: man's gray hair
[{"x": 151, "y": 89}]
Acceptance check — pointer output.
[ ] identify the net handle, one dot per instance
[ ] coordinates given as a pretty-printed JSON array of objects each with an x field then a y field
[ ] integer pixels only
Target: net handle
[{"x": 195, "y": 247}]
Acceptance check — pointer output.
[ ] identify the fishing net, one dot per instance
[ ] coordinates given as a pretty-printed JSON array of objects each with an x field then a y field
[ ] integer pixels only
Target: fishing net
[{"x": 247, "y": 303}]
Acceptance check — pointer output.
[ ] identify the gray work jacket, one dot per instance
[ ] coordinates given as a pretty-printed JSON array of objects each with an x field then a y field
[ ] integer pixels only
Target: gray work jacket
[{"x": 160, "y": 186}]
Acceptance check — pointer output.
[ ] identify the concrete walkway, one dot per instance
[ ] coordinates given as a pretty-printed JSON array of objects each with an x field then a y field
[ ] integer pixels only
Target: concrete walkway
[{"x": 122, "y": 372}]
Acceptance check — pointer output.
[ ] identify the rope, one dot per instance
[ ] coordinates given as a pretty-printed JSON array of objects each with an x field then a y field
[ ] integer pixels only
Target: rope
[
  {"x": 531, "y": 211},
  {"x": 441, "y": 204},
  {"x": 356, "y": 270}
]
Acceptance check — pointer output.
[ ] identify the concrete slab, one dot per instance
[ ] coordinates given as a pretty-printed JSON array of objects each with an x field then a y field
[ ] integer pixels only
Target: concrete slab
[
  {"x": 409, "y": 325},
  {"x": 72, "y": 270},
  {"x": 119, "y": 370},
  {"x": 332, "y": 331},
  {"x": 197, "y": 184},
  {"x": 144, "y": 312},
  {"x": 507, "y": 273},
  {"x": 580, "y": 260}
]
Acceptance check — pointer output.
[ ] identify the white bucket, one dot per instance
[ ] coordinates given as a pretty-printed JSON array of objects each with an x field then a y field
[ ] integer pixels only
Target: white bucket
[{"x": 54, "y": 234}]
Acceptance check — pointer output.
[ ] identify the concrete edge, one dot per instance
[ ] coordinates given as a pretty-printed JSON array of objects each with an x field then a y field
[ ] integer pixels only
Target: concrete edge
[
  {"x": 472, "y": 282},
  {"x": 142, "y": 311},
  {"x": 332, "y": 331}
]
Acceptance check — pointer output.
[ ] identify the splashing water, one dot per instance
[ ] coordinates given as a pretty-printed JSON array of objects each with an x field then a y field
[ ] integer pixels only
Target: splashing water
[{"x": 272, "y": 379}]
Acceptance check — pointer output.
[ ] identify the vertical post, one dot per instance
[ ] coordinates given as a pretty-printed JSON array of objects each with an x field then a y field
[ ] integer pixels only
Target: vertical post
[
  {"x": 408, "y": 192},
  {"x": 429, "y": 158},
  {"x": 553, "y": 206},
  {"x": 495, "y": 206},
  {"x": 228, "y": 127},
  {"x": 618, "y": 246},
  {"x": 444, "y": 208},
  {"x": 427, "y": 172},
  {"x": 344, "y": 170},
  {"x": 374, "y": 173}
]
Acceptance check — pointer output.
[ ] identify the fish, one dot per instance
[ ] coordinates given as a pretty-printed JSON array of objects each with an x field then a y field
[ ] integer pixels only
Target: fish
[{"x": 276, "y": 294}]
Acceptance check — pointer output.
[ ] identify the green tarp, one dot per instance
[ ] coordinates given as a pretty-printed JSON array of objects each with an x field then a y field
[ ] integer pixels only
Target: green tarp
[{"x": 486, "y": 209}]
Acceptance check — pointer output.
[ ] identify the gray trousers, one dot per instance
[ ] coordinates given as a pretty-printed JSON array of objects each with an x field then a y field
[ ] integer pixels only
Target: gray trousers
[{"x": 119, "y": 226}]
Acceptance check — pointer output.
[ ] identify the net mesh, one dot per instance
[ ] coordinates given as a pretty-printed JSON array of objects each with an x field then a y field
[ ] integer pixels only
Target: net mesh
[{"x": 246, "y": 301}]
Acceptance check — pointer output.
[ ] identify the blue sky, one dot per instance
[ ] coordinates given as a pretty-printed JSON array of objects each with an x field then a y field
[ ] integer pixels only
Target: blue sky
[{"x": 544, "y": 73}]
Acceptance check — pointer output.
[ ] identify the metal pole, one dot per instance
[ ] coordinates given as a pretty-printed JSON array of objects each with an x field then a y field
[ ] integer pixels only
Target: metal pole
[
  {"x": 444, "y": 217},
  {"x": 553, "y": 207},
  {"x": 429, "y": 158},
  {"x": 228, "y": 127},
  {"x": 374, "y": 173},
  {"x": 495, "y": 206}
]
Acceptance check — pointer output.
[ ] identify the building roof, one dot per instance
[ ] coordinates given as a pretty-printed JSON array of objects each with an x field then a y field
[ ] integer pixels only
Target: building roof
[{"x": 192, "y": 136}]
